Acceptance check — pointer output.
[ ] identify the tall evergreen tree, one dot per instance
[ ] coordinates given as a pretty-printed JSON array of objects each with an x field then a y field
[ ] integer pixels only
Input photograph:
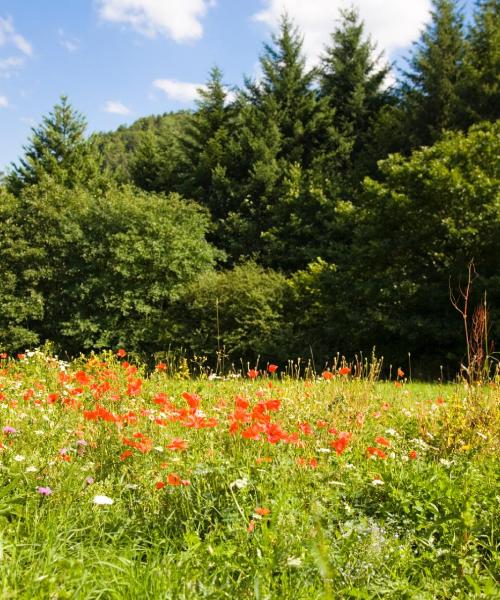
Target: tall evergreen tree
[
  {"x": 482, "y": 83},
  {"x": 351, "y": 81},
  {"x": 285, "y": 93},
  {"x": 203, "y": 145},
  {"x": 57, "y": 148},
  {"x": 432, "y": 86}
]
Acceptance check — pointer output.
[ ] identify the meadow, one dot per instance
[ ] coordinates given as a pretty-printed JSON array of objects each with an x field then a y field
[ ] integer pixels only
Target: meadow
[{"x": 122, "y": 482}]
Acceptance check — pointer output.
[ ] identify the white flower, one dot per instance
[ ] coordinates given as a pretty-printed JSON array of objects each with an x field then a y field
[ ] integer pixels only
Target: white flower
[
  {"x": 19, "y": 458},
  {"x": 293, "y": 561},
  {"x": 239, "y": 483},
  {"x": 377, "y": 482},
  {"x": 31, "y": 469},
  {"x": 103, "y": 500}
]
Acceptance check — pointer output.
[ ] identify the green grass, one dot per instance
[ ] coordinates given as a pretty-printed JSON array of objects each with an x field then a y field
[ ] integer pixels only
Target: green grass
[{"x": 339, "y": 525}]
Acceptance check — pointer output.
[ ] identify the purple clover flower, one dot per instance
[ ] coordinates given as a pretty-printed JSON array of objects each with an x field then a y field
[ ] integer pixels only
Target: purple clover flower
[
  {"x": 44, "y": 491},
  {"x": 8, "y": 429}
]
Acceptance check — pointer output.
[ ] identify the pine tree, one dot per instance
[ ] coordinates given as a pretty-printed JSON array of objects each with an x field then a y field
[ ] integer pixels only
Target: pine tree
[
  {"x": 203, "y": 145},
  {"x": 351, "y": 86},
  {"x": 57, "y": 148},
  {"x": 432, "y": 86},
  {"x": 482, "y": 83},
  {"x": 285, "y": 93}
]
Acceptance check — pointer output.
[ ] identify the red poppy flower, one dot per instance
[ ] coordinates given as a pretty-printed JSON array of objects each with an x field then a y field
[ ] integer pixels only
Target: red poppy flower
[
  {"x": 401, "y": 373},
  {"x": 159, "y": 485},
  {"x": 413, "y": 454},
  {"x": 272, "y": 368},
  {"x": 344, "y": 370},
  {"x": 193, "y": 400},
  {"x": 262, "y": 511},
  {"x": 253, "y": 373},
  {"x": 371, "y": 451},
  {"x": 382, "y": 441},
  {"x": 161, "y": 366},
  {"x": 177, "y": 444},
  {"x": 327, "y": 375},
  {"x": 121, "y": 353}
]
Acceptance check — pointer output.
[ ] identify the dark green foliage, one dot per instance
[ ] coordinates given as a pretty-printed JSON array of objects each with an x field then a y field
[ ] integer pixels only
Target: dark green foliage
[
  {"x": 351, "y": 85},
  {"x": 414, "y": 237},
  {"x": 20, "y": 301},
  {"x": 58, "y": 148},
  {"x": 432, "y": 91},
  {"x": 482, "y": 63}
]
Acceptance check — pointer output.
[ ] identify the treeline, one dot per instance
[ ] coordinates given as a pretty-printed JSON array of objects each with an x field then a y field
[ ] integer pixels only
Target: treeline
[{"x": 311, "y": 211}]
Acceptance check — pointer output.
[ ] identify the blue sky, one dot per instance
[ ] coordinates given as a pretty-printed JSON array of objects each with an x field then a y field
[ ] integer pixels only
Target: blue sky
[{"x": 118, "y": 60}]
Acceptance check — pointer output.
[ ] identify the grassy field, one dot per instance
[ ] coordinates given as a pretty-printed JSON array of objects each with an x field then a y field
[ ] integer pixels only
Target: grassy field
[{"x": 115, "y": 483}]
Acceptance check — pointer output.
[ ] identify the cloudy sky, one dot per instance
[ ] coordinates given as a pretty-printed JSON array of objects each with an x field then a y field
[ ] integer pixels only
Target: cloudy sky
[{"x": 118, "y": 60}]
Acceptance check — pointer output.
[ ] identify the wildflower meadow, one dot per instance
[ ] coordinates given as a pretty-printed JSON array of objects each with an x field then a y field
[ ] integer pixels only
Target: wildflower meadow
[{"x": 119, "y": 481}]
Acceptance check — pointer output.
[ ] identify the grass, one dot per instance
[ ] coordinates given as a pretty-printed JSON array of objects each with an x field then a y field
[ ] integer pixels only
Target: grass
[{"x": 262, "y": 487}]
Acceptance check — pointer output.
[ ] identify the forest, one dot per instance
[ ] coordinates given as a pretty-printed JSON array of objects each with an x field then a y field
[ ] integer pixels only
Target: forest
[{"x": 313, "y": 211}]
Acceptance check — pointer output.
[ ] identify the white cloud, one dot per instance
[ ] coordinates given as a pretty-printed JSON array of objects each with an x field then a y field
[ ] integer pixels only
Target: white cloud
[
  {"x": 181, "y": 91},
  {"x": 116, "y": 108},
  {"x": 70, "y": 43},
  {"x": 9, "y": 64},
  {"x": 8, "y": 35},
  {"x": 4, "y": 102},
  {"x": 179, "y": 20},
  {"x": 392, "y": 24}
]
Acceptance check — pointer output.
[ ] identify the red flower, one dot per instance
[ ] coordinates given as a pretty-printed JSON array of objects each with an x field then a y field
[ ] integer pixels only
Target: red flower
[
  {"x": 174, "y": 479},
  {"x": 272, "y": 368},
  {"x": 262, "y": 511},
  {"x": 159, "y": 485},
  {"x": 401, "y": 373},
  {"x": 327, "y": 375},
  {"x": 126, "y": 454},
  {"x": 161, "y": 366},
  {"x": 193, "y": 400},
  {"x": 382, "y": 441},
  {"x": 251, "y": 526},
  {"x": 413, "y": 454},
  {"x": 344, "y": 371},
  {"x": 340, "y": 444},
  {"x": 371, "y": 451},
  {"x": 82, "y": 377},
  {"x": 253, "y": 373},
  {"x": 177, "y": 444},
  {"x": 121, "y": 353}
]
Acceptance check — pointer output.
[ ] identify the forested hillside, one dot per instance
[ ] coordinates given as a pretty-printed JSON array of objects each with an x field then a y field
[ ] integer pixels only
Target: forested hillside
[{"x": 312, "y": 211}]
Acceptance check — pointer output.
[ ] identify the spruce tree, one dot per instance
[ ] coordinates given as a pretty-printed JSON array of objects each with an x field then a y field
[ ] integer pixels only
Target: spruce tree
[
  {"x": 57, "y": 148},
  {"x": 351, "y": 81},
  {"x": 203, "y": 145},
  {"x": 482, "y": 83},
  {"x": 432, "y": 86},
  {"x": 285, "y": 93}
]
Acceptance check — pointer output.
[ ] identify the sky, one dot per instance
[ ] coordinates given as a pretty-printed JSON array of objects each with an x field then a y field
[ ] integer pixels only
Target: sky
[{"x": 118, "y": 60}]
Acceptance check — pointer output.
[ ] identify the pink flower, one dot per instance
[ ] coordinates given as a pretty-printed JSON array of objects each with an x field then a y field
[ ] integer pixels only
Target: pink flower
[{"x": 44, "y": 491}]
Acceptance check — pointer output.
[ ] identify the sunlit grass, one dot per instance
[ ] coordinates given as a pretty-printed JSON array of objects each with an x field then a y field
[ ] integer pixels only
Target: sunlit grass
[{"x": 262, "y": 487}]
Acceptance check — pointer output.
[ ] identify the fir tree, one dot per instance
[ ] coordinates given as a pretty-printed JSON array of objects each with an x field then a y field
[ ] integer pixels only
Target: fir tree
[
  {"x": 57, "y": 148},
  {"x": 431, "y": 90},
  {"x": 482, "y": 83},
  {"x": 351, "y": 86}
]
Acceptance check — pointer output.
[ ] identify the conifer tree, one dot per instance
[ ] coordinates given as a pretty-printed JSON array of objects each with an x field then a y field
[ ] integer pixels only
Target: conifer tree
[
  {"x": 432, "y": 87},
  {"x": 203, "y": 145},
  {"x": 57, "y": 148},
  {"x": 285, "y": 93},
  {"x": 482, "y": 82}
]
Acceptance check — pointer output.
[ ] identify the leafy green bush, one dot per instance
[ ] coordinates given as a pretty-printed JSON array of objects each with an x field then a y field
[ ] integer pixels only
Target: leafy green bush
[
  {"x": 109, "y": 266},
  {"x": 239, "y": 312}
]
